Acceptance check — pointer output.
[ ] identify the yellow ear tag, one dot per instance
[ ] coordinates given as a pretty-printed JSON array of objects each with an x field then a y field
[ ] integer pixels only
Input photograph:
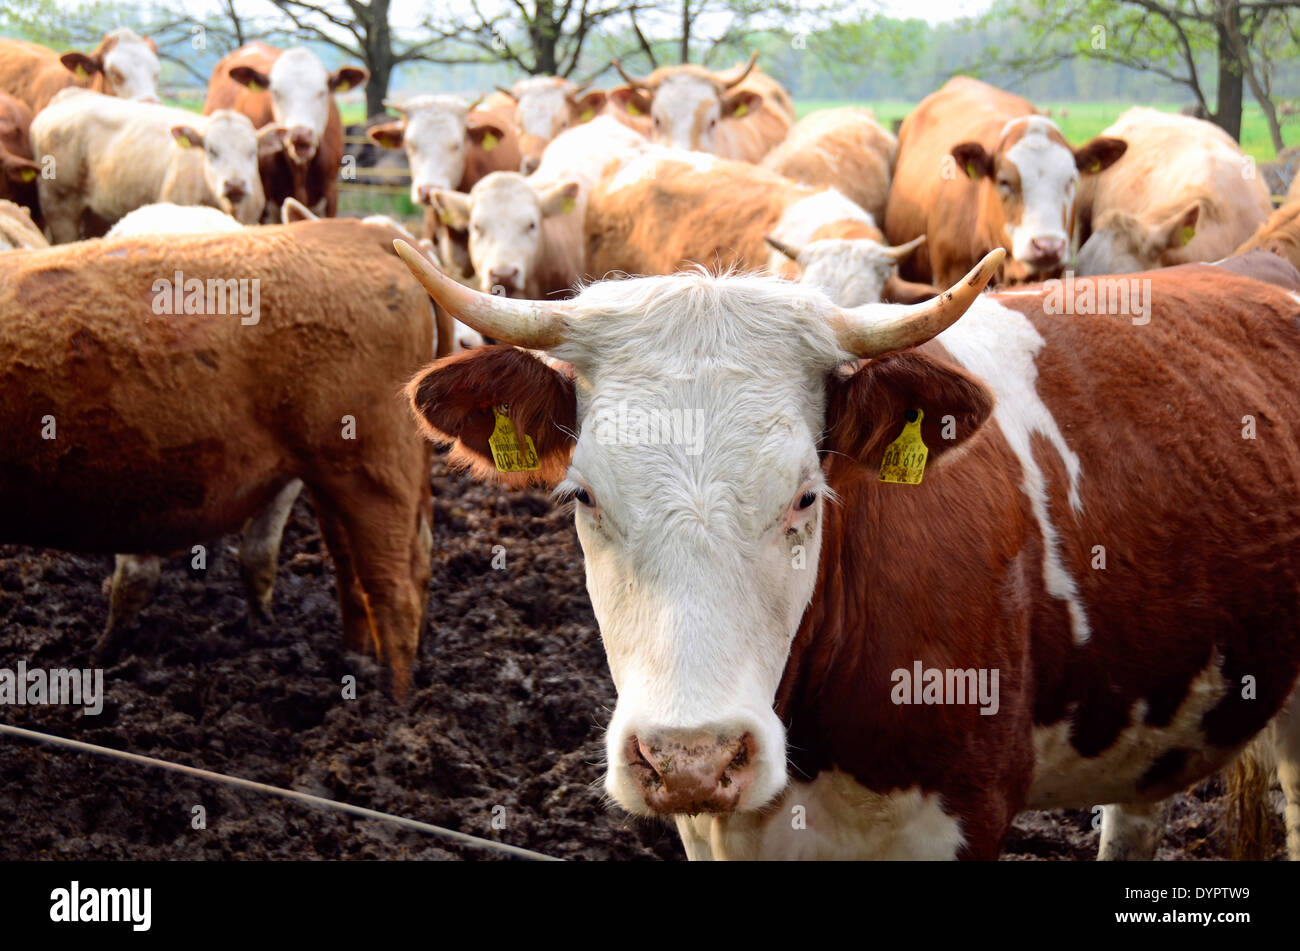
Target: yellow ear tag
[
  {"x": 80, "y": 71},
  {"x": 445, "y": 217},
  {"x": 254, "y": 86},
  {"x": 507, "y": 453},
  {"x": 343, "y": 86},
  {"x": 632, "y": 110},
  {"x": 568, "y": 205},
  {"x": 970, "y": 170},
  {"x": 1185, "y": 235},
  {"x": 183, "y": 141},
  {"x": 489, "y": 142},
  {"x": 904, "y": 460},
  {"x": 586, "y": 115},
  {"x": 740, "y": 111},
  {"x": 27, "y": 174},
  {"x": 1094, "y": 167}
]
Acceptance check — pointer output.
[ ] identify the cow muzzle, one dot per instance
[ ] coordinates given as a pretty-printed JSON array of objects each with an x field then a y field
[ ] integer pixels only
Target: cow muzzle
[
  {"x": 1046, "y": 253},
  {"x": 302, "y": 144},
  {"x": 691, "y": 773}
]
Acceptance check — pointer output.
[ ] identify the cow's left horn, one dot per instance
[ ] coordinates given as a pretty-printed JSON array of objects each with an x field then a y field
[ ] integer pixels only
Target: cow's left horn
[
  {"x": 630, "y": 80},
  {"x": 913, "y": 326},
  {"x": 787, "y": 250},
  {"x": 900, "y": 251},
  {"x": 740, "y": 77},
  {"x": 536, "y": 325}
]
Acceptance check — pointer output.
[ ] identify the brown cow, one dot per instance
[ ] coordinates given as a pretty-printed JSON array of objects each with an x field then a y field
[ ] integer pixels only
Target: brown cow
[
  {"x": 977, "y": 169},
  {"x": 543, "y": 107},
  {"x": 742, "y": 114},
  {"x": 123, "y": 65},
  {"x": 1184, "y": 192},
  {"x": 665, "y": 210},
  {"x": 18, "y": 171},
  {"x": 292, "y": 89},
  {"x": 845, "y": 149},
  {"x": 905, "y": 574},
  {"x": 1280, "y": 234},
  {"x": 156, "y": 392}
]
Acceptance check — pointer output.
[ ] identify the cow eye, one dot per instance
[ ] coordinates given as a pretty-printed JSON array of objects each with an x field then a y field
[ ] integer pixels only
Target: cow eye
[
  {"x": 584, "y": 497},
  {"x": 532, "y": 226},
  {"x": 806, "y": 500}
]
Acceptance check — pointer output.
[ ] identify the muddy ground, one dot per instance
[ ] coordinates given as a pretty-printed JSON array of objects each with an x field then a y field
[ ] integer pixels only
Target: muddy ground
[{"x": 511, "y": 696}]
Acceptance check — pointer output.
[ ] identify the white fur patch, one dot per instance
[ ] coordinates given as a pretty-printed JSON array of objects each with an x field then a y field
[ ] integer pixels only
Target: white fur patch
[{"x": 1047, "y": 181}]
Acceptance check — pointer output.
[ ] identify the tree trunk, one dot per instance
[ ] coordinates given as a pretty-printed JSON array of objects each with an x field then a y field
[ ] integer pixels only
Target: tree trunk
[
  {"x": 1227, "y": 110},
  {"x": 379, "y": 58},
  {"x": 685, "y": 51}
]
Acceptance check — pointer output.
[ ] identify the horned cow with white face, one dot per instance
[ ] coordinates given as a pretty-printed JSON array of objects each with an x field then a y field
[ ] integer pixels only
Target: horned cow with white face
[
  {"x": 544, "y": 106},
  {"x": 860, "y": 542}
]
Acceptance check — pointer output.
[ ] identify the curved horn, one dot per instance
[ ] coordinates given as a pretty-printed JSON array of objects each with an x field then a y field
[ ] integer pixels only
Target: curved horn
[
  {"x": 474, "y": 105},
  {"x": 900, "y": 251},
  {"x": 536, "y": 325},
  {"x": 740, "y": 78},
  {"x": 505, "y": 92},
  {"x": 790, "y": 252},
  {"x": 914, "y": 325},
  {"x": 630, "y": 80},
  {"x": 395, "y": 106}
]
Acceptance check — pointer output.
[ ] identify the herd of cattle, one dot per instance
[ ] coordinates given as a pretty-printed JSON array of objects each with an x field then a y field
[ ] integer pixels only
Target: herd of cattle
[{"x": 1102, "y": 524}]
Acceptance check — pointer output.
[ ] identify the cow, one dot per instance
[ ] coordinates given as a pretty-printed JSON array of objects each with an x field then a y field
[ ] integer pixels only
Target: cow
[
  {"x": 449, "y": 143},
  {"x": 124, "y": 65},
  {"x": 144, "y": 410},
  {"x": 1293, "y": 194},
  {"x": 543, "y": 107},
  {"x": 977, "y": 169},
  {"x": 111, "y": 156},
  {"x": 293, "y": 90},
  {"x": 18, "y": 171},
  {"x": 17, "y": 230},
  {"x": 845, "y": 149},
  {"x": 1280, "y": 234},
  {"x": 667, "y": 209},
  {"x": 742, "y": 114},
  {"x": 1054, "y": 604},
  {"x": 1182, "y": 193},
  {"x": 526, "y": 233}
]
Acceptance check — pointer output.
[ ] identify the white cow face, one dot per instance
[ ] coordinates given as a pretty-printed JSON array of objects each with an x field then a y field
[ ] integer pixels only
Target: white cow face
[
  {"x": 849, "y": 271},
  {"x": 437, "y": 134},
  {"x": 128, "y": 62},
  {"x": 1033, "y": 175},
  {"x": 1121, "y": 243},
  {"x": 505, "y": 216},
  {"x": 301, "y": 88},
  {"x": 543, "y": 108},
  {"x": 687, "y": 109},
  {"x": 231, "y": 148}
]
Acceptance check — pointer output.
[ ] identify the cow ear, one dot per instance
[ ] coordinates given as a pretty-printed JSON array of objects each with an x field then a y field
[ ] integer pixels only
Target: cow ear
[
  {"x": 348, "y": 77},
  {"x": 632, "y": 101},
  {"x": 868, "y": 410},
  {"x": 453, "y": 208},
  {"x": 254, "y": 79},
  {"x": 589, "y": 105},
  {"x": 388, "y": 134},
  {"x": 149, "y": 42},
  {"x": 270, "y": 139},
  {"x": 973, "y": 160},
  {"x": 485, "y": 135},
  {"x": 1101, "y": 153},
  {"x": 293, "y": 211},
  {"x": 16, "y": 168},
  {"x": 458, "y": 400},
  {"x": 559, "y": 199},
  {"x": 1175, "y": 231},
  {"x": 187, "y": 136},
  {"x": 740, "y": 104},
  {"x": 80, "y": 64}
]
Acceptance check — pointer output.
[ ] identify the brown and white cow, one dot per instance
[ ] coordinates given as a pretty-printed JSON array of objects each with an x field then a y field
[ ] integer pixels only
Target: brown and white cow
[
  {"x": 449, "y": 144},
  {"x": 845, "y": 149},
  {"x": 110, "y": 156},
  {"x": 17, "y": 230},
  {"x": 1091, "y": 594},
  {"x": 977, "y": 169},
  {"x": 124, "y": 65},
  {"x": 543, "y": 107},
  {"x": 1280, "y": 234},
  {"x": 145, "y": 410},
  {"x": 291, "y": 89},
  {"x": 1183, "y": 192},
  {"x": 667, "y": 209},
  {"x": 526, "y": 234},
  {"x": 18, "y": 171},
  {"x": 740, "y": 114}
]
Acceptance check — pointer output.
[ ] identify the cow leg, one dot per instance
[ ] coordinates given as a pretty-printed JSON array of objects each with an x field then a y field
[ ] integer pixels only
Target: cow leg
[
  {"x": 1130, "y": 832},
  {"x": 130, "y": 588},
  {"x": 1286, "y": 743},
  {"x": 259, "y": 550},
  {"x": 358, "y": 635}
]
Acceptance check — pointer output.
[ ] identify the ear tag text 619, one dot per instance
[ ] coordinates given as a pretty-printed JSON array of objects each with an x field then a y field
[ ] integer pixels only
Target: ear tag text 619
[
  {"x": 509, "y": 452},
  {"x": 904, "y": 459}
]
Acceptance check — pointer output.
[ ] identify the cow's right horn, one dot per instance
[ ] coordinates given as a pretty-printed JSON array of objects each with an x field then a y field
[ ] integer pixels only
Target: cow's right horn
[
  {"x": 536, "y": 325},
  {"x": 630, "y": 80},
  {"x": 506, "y": 92},
  {"x": 912, "y": 326},
  {"x": 900, "y": 251},
  {"x": 787, "y": 250}
]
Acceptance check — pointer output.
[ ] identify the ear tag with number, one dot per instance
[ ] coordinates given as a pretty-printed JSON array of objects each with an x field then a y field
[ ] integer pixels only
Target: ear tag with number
[
  {"x": 740, "y": 111},
  {"x": 254, "y": 86},
  {"x": 80, "y": 71},
  {"x": 489, "y": 142},
  {"x": 971, "y": 171},
  {"x": 567, "y": 205},
  {"x": 586, "y": 115},
  {"x": 28, "y": 174},
  {"x": 183, "y": 141},
  {"x": 632, "y": 110},
  {"x": 509, "y": 454},
  {"x": 904, "y": 460},
  {"x": 1185, "y": 235}
]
